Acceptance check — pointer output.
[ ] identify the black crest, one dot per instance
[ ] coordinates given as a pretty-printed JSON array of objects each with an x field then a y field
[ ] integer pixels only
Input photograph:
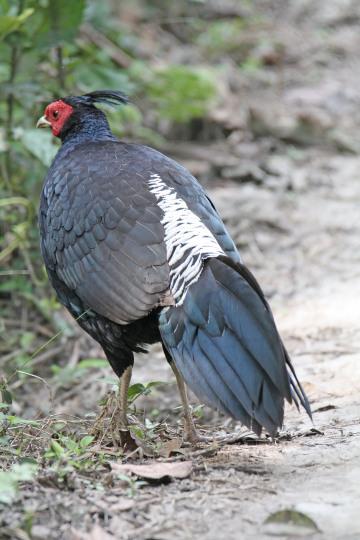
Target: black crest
[{"x": 109, "y": 97}]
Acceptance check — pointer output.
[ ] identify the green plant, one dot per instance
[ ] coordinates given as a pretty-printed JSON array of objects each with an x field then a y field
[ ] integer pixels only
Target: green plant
[
  {"x": 223, "y": 36},
  {"x": 10, "y": 480},
  {"x": 51, "y": 48},
  {"x": 70, "y": 453},
  {"x": 182, "y": 93},
  {"x": 139, "y": 389},
  {"x": 132, "y": 484}
]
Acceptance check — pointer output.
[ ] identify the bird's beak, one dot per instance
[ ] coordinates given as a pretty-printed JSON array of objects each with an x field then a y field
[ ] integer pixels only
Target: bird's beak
[{"x": 43, "y": 123}]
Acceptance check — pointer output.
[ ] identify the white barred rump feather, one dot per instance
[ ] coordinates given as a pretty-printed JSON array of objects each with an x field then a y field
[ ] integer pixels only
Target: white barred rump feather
[{"x": 188, "y": 241}]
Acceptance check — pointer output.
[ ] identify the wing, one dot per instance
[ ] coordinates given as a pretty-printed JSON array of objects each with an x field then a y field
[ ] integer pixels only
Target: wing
[{"x": 101, "y": 232}]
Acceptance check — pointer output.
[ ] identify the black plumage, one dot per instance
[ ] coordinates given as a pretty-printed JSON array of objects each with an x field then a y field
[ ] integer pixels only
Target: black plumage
[{"x": 137, "y": 253}]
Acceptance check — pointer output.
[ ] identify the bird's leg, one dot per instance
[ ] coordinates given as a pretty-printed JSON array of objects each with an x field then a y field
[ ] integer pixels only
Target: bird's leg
[
  {"x": 123, "y": 398},
  {"x": 191, "y": 434},
  {"x": 120, "y": 413}
]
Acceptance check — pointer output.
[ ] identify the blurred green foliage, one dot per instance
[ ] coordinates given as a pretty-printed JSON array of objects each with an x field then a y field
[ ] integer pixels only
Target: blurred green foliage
[
  {"x": 223, "y": 36},
  {"x": 181, "y": 93},
  {"x": 9, "y": 480},
  {"x": 51, "y": 48}
]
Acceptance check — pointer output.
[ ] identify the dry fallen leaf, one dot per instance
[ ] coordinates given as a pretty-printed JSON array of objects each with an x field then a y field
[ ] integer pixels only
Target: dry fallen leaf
[
  {"x": 290, "y": 522},
  {"x": 170, "y": 447},
  {"x": 155, "y": 470}
]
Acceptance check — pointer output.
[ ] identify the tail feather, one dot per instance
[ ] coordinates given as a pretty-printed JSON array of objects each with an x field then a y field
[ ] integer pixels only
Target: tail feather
[
  {"x": 224, "y": 342},
  {"x": 191, "y": 371},
  {"x": 297, "y": 391},
  {"x": 211, "y": 387},
  {"x": 245, "y": 380},
  {"x": 238, "y": 400}
]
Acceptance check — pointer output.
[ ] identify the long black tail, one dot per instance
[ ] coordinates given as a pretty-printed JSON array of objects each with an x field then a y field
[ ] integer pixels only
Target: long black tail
[{"x": 225, "y": 344}]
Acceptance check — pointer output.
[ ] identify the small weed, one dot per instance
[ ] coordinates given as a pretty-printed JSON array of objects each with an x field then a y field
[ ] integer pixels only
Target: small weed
[
  {"x": 182, "y": 93},
  {"x": 139, "y": 389},
  {"x": 132, "y": 484},
  {"x": 69, "y": 453},
  {"x": 10, "y": 480}
]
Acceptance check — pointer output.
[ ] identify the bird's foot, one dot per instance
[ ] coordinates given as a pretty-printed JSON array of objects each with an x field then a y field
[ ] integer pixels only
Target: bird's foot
[
  {"x": 127, "y": 443},
  {"x": 120, "y": 432},
  {"x": 113, "y": 424},
  {"x": 191, "y": 434},
  {"x": 193, "y": 437}
]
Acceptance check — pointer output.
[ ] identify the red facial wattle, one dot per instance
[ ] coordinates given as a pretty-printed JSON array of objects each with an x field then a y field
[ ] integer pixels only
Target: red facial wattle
[{"x": 57, "y": 113}]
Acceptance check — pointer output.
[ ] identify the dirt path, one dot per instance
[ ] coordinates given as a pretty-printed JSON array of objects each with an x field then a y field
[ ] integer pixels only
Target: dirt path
[
  {"x": 307, "y": 257},
  {"x": 318, "y": 471},
  {"x": 299, "y": 231},
  {"x": 316, "y": 474},
  {"x": 312, "y": 266}
]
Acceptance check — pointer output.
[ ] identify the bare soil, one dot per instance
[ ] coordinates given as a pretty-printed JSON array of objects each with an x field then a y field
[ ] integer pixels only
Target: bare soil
[{"x": 294, "y": 210}]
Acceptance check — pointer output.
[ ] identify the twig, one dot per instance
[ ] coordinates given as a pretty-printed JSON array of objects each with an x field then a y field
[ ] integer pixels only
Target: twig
[
  {"x": 47, "y": 355},
  {"x": 117, "y": 55},
  {"x": 14, "y": 273},
  {"x": 14, "y": 62},
  {"x": 60, "y": 67},
  {"x": 31, "y": 270},
  {"x": 74, "y": 358},
  {"x": 38, "y": 328},
  {"x": 10, "y": 111},
  {"x": 54, "y": 8},
  {"x": 11, "y": 355}
]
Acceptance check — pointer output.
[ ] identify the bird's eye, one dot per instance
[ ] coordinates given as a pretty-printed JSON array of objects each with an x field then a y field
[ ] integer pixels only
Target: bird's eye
[{"x": 55, "y": 114}]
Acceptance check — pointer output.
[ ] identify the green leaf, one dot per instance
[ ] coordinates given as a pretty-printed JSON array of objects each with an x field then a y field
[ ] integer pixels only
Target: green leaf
[
  {"x": 138, "y": 389},
  {"x": 40, "y": 144},
  {"x": 4, "y": 405},
  {"x": 24, "y": 472},
  {"x": 12, "y": 23},
  {"x": 290, "y": 522},
  {"x": 86, "y": 441},
  {"x": 9, "y": 480},
  {"x": 8, "y": 487},
  {"x": 135, "y": 391},
  {"x": 18, "y": 421},
  {"x": 6, "y": 395},
  {"x": 70, "y": 444},
  {"x": 60, "y": 23},
  {"x": 152, "y": 384},
  {"x": 57, "y": 449}
]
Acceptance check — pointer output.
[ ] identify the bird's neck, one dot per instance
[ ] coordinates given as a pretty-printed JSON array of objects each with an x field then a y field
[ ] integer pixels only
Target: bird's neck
[{"x": 89, "y": 128}]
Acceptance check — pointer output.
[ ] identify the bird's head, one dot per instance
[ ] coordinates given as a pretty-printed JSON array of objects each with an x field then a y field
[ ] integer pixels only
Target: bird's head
[{"x": 65, "y": 113}]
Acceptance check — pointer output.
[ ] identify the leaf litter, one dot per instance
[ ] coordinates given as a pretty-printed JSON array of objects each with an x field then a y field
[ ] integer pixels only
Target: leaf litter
[{"x": 155, "y": 470}]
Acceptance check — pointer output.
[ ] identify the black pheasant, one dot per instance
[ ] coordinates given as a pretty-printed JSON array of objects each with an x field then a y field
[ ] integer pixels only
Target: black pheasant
[{"x": 138, "y": 254}]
